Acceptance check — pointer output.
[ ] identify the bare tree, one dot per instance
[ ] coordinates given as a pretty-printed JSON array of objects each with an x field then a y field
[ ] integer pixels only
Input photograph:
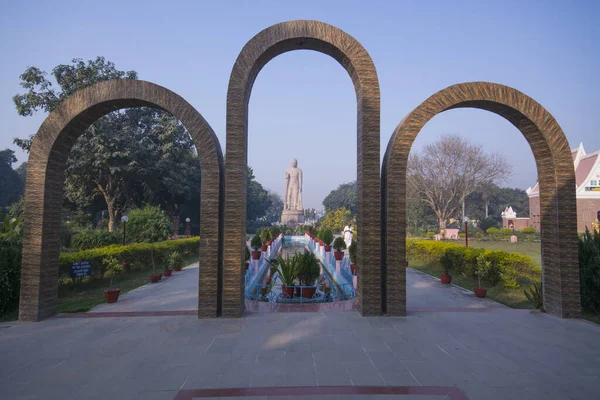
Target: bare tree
[{"x": 449, "y": 170}]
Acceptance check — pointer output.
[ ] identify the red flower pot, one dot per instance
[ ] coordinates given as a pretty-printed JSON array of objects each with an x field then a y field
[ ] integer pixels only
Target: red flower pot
[
  {"x": 321, "y": 243},
  {"x": 446, "y": 279},
  {"x": 289, "y": 291},
  {"x": 270, "y": 242},
  {"x": 309, "y": 292},
  {"x": 338, "y": 255},
  {"x": 111, "y": 295},
  {"x": 264, "y": 248},
  {"x": 327, "y": 249},
  {"x": 480, "y": 293},
  {"x": 177, "y": 269},
  {"x": 154, "y": 278},
  {"x": 256, "y": 255},
  {"x": 168, "y": 272},
  {"x": 353, "y": 269}
]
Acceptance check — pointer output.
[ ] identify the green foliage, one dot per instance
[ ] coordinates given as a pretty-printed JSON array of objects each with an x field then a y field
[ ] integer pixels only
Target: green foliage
[
  {"x": 528, "y": 230},
  {"x": 91, "y": 238},
  {"x": 493, "y": 232},
  {"x": 326, "y": 236},
  {"x": 10, "y": 271},
  {"x": 256, "y": 242},
  {"x": 149, "y": 224},
  {"x": 487, "y": 223},
  {"x": 535, "y": 295},
  {"x": 483, "y": 267},
  {"x": 345, "y": 196},
  {"x": 112, "y": 268},
  {"x": 338, "y": 244},
  {"x": 589, "y": 271},
  {"x": 275, "y": 231},
  {"x": 352, "y": 250},
  {"x": 247, "y": 254},
  {"x": 132, "y": 257},
  {"x": 10, "y": 225},
  {"x": 258, "y": 200},
  {"x": 430, "y": 235},
  {"x": 335, "y": 220},
  {"x": 287, "y": 268},
  {"x": 11, "y": 184},
  {"x": 309, "y": 269},
  {"x": 505, "y": 233},
  {"x": 265, "y": 236},
  {"x": 175, "y": 260}
]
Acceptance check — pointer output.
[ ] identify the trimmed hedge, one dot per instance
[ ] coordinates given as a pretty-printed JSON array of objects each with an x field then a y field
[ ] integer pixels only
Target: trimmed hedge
[
  {"x": 133, "y": 256},
  {"x": 506, "y": 267},
  {"x": 92, "y": 238}
]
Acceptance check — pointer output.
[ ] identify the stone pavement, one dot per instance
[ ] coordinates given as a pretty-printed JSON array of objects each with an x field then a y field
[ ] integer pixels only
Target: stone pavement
[{"x": 487, "y": 355}]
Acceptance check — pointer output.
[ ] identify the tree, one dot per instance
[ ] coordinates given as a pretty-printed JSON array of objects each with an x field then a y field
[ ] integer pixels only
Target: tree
[
  {"x": 257, "y": 199},
  {"x": 345, "y": 196},
  {"x": 335, "y": 220},
  {"x": 273, "y": 212},
  {"x": 11, "y": 184},
  {"x": 449, "y": 170}
]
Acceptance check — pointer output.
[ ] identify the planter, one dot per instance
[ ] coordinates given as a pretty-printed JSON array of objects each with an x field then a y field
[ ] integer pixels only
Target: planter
[
  {"x": 270, "y": 242},
  {"x": 338, "y": 255},
  {"x": 177, "y": 269},
  {"x": 264, "y": 248},
  {"x": 264, "y": 291},
  {"x": 111, "y": 295},
  {"x": 353, "y": 269},
  {"x": 168, "y": 272},
  {"x": 309, "y": 292},
  {"x": 480, "y": 293},
  {"x": 287, "y": 291},
  {"x": 256, "y": 255},
  {"x": 327, "y": 249},
  {"x": 247, "y": 265},
  {"x": 446, "y": 279},
  {"x": 154, "y": 278},
  {"x": 321, "y": 243}
]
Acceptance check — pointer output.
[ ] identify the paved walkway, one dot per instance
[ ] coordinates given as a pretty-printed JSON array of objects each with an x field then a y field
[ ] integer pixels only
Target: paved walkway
[{"x": 179, "y": 292}]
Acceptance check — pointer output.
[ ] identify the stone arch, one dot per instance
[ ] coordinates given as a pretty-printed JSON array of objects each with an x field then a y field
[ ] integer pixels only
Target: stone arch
[
  {"x": 269, "y": 43},
  {"x": 555, "y": 174},
  {"x": 45, "y": 180}
]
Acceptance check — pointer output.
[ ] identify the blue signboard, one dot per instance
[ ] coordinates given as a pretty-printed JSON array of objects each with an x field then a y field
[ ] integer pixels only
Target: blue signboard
[{"x": 80, "y": 269}]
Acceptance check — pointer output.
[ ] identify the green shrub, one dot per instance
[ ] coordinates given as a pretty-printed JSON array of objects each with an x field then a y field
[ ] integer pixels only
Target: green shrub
[
  {"x": 352, "y": 251},
  {"x": 487, "y": 223},
  {"x": 308, "y": 268},
  {"x": 256, "y": 242},
  {"x": 493, "y": 232},
  {"x": 505, "y": 233},
  {"x": 112, "y": 268},
  {"x": 589, "y": 271},
  {"x": 528, "y": 230},
  {"x": 482, "y": 269},
  {"x": 338, "y": 244},
  {"x": 147, "y": 225},
  {"x": 265, "y": 236},
  {"x": 132, "y": 256},
  {"x": 89, "y": 239},
  {"x": 535, "y": 295},
  {"x": 175, "y": 260},
  {"x": 430, "y": 235},
  {"x": 10, "y": 271},
  {"x": 326, "y": 236}
]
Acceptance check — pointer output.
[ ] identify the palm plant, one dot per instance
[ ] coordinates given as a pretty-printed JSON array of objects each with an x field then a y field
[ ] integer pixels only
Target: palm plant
[
  {"x": 266, "y": 236},
  {"x": 10, "y": 225},
  {"x": 286, "y": 268}
]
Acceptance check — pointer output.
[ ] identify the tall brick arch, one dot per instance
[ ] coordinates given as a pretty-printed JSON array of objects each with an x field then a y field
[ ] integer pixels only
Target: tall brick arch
[
  {"x": 45, "y": 180},
  {"x": 271, "y": 42},
  {"x": 555, "y": 174}
]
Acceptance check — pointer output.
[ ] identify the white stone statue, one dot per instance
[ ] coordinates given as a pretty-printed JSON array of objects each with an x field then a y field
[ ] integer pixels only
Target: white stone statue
[
  {"x": 293, "y": 187},
  {"x": 348, "y": 234}
]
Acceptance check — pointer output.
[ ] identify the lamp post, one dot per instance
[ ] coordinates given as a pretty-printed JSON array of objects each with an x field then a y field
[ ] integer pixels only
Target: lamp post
[
  {"x": 187, "y": 227},
  {"x": 124, "y": 220},
  {"x": 466, "y": 232}
]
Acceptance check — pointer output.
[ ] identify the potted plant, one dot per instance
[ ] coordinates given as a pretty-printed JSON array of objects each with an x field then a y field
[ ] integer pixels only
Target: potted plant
[
  {"x": 352, "y": 251},
  {"x": 168, "y": 271},
  {"x": 112, "y": 268},
  {"x": 247, "y": 257},
  {"x": 266, "y": 237},
  {"x": 154, "y": 277},
  {"x": 287, "y": 269},
  {"x": 256, "y": 244},
  {"x": 446, "y": 261},
  {"x": 326, "y": 237},
  {"x": 176, "y": 260},
  {"x": 339, "y": 245},
  {"x": 308, "y": 272},
  {"x": 481, "y": 270}
]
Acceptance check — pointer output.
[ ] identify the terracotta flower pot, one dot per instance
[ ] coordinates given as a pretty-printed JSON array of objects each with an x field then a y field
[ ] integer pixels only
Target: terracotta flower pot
[
  {"x": 353, "y": 269},
  {"x": 321, "y": 243},
  {"x": 446, "y": 279},
  {"x": 256, "y": 255},
  {"x": 270, "y": 242},
  {"x": 338, "y": 255},
  {"x": 327, "y": 249},
  {"x": 480, "y": 293},
  {"x": 289, "y": 291},
  {"x": 264, "y": 248},
  {"x": 111, "y": 295},
  {"x": 309, "y": 292},
  {"x": 177, "y": 269},
  {"x": 168, "y": 272},
  {"x": 154, "y": 278}
]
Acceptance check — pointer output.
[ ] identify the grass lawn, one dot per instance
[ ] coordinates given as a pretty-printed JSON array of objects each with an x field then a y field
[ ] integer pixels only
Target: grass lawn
[
  {"x": 514, "y": 298},
  {"x": 73, "y": 298}
]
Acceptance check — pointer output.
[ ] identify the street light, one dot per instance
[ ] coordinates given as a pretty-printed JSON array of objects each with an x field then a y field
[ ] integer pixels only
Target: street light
[
  {"x": 124, "y": 220},
  {"x": 187, "y": 227},
  {"x": 466, "y": 231}
]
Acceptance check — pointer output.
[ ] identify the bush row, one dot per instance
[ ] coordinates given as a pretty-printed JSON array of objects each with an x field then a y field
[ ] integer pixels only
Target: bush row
[
  {"x": 506, "y": 267},
  {"x": 132, "y": 257}
]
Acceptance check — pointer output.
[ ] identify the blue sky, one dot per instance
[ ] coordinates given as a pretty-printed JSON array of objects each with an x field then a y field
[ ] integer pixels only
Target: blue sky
[{"x": 303, "y": 103}]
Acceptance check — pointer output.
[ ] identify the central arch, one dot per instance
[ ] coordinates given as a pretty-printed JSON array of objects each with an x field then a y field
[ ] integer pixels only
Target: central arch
[
  {"x": 556, "y": 177},
  {"x": 266, "y": 45}
]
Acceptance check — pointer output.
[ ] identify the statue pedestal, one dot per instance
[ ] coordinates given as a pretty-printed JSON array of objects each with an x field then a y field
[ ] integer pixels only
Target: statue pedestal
[{"x": 292, "y": 217}]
